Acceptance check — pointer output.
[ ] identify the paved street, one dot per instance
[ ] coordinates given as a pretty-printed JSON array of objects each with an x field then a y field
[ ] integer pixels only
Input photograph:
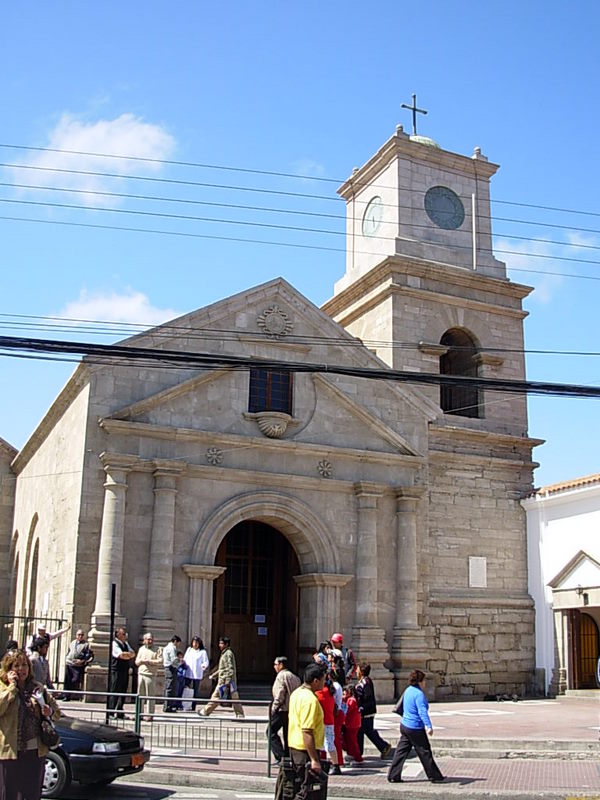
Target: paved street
[{"x": 505, "y": 751}]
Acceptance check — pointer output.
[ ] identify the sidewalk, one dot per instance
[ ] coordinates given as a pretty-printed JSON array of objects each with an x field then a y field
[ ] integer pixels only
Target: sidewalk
[{"x": 530, "y": 749}]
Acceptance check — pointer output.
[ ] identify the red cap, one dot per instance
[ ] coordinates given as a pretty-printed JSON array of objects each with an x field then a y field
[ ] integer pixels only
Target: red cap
[{"x": 337, "y": 637}]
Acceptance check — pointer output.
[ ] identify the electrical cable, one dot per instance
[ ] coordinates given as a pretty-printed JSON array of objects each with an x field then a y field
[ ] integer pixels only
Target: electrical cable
[
  {"x": 223, "y": 361},
  {"x": 271, "y": 173}
]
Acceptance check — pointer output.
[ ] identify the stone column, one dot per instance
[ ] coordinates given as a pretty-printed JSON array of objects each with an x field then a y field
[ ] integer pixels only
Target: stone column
[
  {"x": 408, "y": 646},
  {"x": 200, "y": 605},
  {"x": 319, "y": 608},
  {"x": 110, "y": 555},
  {"x": 368, "y": 638},
  {"x": 110, "y": 565},
  {"x": 159, "y": 617}
]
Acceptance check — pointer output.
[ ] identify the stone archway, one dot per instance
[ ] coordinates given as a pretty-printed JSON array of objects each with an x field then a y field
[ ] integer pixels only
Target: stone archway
[
  {"x": 319, "y": 580},
  {"x": 255, "y": 599}
]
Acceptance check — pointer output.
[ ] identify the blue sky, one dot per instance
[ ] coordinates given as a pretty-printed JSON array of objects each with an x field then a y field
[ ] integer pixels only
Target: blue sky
[{"x": 310, "y": 89}]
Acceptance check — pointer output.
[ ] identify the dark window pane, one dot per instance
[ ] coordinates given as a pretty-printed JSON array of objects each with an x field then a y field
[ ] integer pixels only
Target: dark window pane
[{"x": 270, "y": 390}]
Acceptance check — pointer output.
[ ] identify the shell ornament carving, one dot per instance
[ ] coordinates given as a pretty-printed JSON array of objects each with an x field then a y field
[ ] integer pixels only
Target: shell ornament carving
[
  {"x": 275, "y": 322},
  {"x": 272, "y": 424}
]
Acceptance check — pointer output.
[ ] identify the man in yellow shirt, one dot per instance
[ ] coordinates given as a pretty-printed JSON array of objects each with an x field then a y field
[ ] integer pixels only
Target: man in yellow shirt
[{"x": 306, "y": 730}]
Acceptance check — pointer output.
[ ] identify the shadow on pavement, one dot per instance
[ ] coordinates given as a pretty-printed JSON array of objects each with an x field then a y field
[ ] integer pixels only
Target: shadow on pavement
[{"x": 116, "y": 791}]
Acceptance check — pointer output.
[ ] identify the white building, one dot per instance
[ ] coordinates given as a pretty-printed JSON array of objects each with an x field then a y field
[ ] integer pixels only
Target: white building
[{"x": 563, "y": 535}]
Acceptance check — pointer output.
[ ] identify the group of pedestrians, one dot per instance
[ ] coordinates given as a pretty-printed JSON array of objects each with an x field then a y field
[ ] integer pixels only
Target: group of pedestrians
[
  {"x": 183, "y": 672},
  {"x": 321, "y": 717}
]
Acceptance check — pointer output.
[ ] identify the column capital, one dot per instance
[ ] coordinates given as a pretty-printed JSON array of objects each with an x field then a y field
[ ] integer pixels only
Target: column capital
[
  {"x": 367, "y": 489},
  {"x": 334, "y": 579},
  {"x": 207, "y": 572},
  {"x": 165, "y": 466},
  {"x": 117, "y": 462},
  {"x": 415, "y": 492},
  {"x": 407, "y": 497}
]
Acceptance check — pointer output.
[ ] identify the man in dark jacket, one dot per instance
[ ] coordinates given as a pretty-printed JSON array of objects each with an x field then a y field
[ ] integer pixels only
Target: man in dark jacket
[{"x": 365, "y": 697}]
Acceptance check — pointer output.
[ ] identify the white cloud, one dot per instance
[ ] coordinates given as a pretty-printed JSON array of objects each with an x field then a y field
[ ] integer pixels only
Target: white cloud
[
  {"x": 130, "y": 306},
  {"x": 126, "y": 135},
  {"x": 307, "y": 168},
  {"x": 518, "y": 256},
  {"x": 540, "y": 256}
]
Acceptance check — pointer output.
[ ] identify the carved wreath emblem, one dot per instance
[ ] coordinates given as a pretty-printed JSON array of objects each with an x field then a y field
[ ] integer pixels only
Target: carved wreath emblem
[{"x": 274, "y": 322}]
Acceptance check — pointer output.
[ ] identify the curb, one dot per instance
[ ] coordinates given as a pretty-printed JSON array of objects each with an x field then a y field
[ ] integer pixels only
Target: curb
[{"x": 411, "y": 790}]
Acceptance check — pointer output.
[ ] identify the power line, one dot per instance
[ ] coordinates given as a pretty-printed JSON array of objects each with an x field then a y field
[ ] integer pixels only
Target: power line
[
  {"x": 291, "y": 211},
  {"x": 271, "y": 173},
  {"x": 324, "y": 248},
  {"x": 168, "y": 330},
  {"x": 238, "y": 206},
  {"x": 222, "y": 361}
]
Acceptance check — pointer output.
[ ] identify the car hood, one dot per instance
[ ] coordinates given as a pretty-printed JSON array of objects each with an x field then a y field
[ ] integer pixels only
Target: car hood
[{"x": 84, "y": 731}]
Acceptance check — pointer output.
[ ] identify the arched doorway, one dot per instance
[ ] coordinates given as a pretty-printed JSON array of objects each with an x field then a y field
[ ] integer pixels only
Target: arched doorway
[{"x": 255, "y": 601}]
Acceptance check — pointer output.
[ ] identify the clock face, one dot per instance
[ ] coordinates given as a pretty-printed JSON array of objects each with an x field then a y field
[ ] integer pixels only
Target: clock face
[
  {"x": 372, "y": 217},
  {"x": 444, "y": 208}
]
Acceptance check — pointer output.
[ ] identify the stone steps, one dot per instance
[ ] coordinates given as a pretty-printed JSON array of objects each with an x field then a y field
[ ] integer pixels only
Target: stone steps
[{"x": 507, "y": 749}]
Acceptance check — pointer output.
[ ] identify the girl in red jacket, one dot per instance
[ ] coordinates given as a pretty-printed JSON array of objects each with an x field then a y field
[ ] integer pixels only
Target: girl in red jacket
[{"x": 352, "y": 725}]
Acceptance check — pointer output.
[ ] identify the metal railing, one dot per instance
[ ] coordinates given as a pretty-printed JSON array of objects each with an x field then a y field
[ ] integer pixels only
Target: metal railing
[
  {"x": 182, "y": 734},
  {"x": 22, "y": 628}
]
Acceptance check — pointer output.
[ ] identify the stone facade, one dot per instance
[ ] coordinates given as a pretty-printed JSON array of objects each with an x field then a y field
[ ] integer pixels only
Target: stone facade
[
  {"x": 404, "y": 522},
  {"x": 7, "y": 506}
]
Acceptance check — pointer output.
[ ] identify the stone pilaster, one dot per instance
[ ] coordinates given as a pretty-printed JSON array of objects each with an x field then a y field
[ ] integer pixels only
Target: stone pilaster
[
  {"x": 110, "y": 556},
  {"x": 368, "y": 638},
  {"x": 201, "y": 578},
  {"x": 319, "y": 608},
  {"x": 159, "y": 617},
  {"x": 408, "y": 645}
]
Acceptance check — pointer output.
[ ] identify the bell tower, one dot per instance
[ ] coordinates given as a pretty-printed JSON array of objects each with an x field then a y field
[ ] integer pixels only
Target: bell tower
[
  {"x": 414, "y": 199},
  {"x": 422, "y": 287}
]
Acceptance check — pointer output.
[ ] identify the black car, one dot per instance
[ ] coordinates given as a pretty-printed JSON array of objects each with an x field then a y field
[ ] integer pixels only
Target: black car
[{"x": 91, "y": 753}]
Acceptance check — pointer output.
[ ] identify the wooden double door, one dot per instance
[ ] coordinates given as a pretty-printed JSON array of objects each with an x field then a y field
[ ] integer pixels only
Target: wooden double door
[
  {"x": 255, "y": 601},
  {"x": 585, "y": 649}
]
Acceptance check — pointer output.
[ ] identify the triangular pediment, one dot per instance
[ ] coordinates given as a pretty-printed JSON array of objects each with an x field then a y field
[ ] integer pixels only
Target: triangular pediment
[
  {"x": 216, "y": 401},
  {"x": 241, "y": 325},
  {"x": 581, "y": 570},
  {"x": 334, "y": 410}
]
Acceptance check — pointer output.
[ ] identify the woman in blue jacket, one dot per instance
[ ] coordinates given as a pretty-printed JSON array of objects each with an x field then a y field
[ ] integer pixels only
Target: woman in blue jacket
[{"x": 414, "y": 729}]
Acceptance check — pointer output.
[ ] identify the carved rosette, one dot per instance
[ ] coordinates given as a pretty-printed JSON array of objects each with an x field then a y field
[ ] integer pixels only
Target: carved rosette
[
  {"x": 275, "y": 322},
  {"x": 325, "y": 468},
  {"x": 214, "y": 456}
]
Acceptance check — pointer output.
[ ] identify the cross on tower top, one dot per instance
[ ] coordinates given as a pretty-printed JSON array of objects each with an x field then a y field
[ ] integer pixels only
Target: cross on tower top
[{"x": 415, "y": 111}]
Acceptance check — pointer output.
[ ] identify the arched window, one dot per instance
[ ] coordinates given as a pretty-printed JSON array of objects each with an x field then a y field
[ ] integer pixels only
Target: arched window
[
  {"x": 459, "y": 359},
  {"x": 13, "y": 561},
  {"x": 31, "y": 607}
]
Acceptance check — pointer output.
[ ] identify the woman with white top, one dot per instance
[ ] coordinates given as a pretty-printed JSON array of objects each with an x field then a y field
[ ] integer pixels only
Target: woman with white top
[{"x": 196, "y": 659}]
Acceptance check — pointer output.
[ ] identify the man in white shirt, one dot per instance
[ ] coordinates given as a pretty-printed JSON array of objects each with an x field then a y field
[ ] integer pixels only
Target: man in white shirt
[{"x": 170, "y": 663}]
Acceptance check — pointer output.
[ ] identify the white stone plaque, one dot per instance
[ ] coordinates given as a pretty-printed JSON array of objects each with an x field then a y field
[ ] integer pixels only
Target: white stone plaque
[{"x": 477, "y": 572}]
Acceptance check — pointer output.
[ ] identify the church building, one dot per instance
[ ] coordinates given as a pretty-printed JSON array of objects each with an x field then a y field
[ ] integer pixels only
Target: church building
[{"x": 279, "y": 506}]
